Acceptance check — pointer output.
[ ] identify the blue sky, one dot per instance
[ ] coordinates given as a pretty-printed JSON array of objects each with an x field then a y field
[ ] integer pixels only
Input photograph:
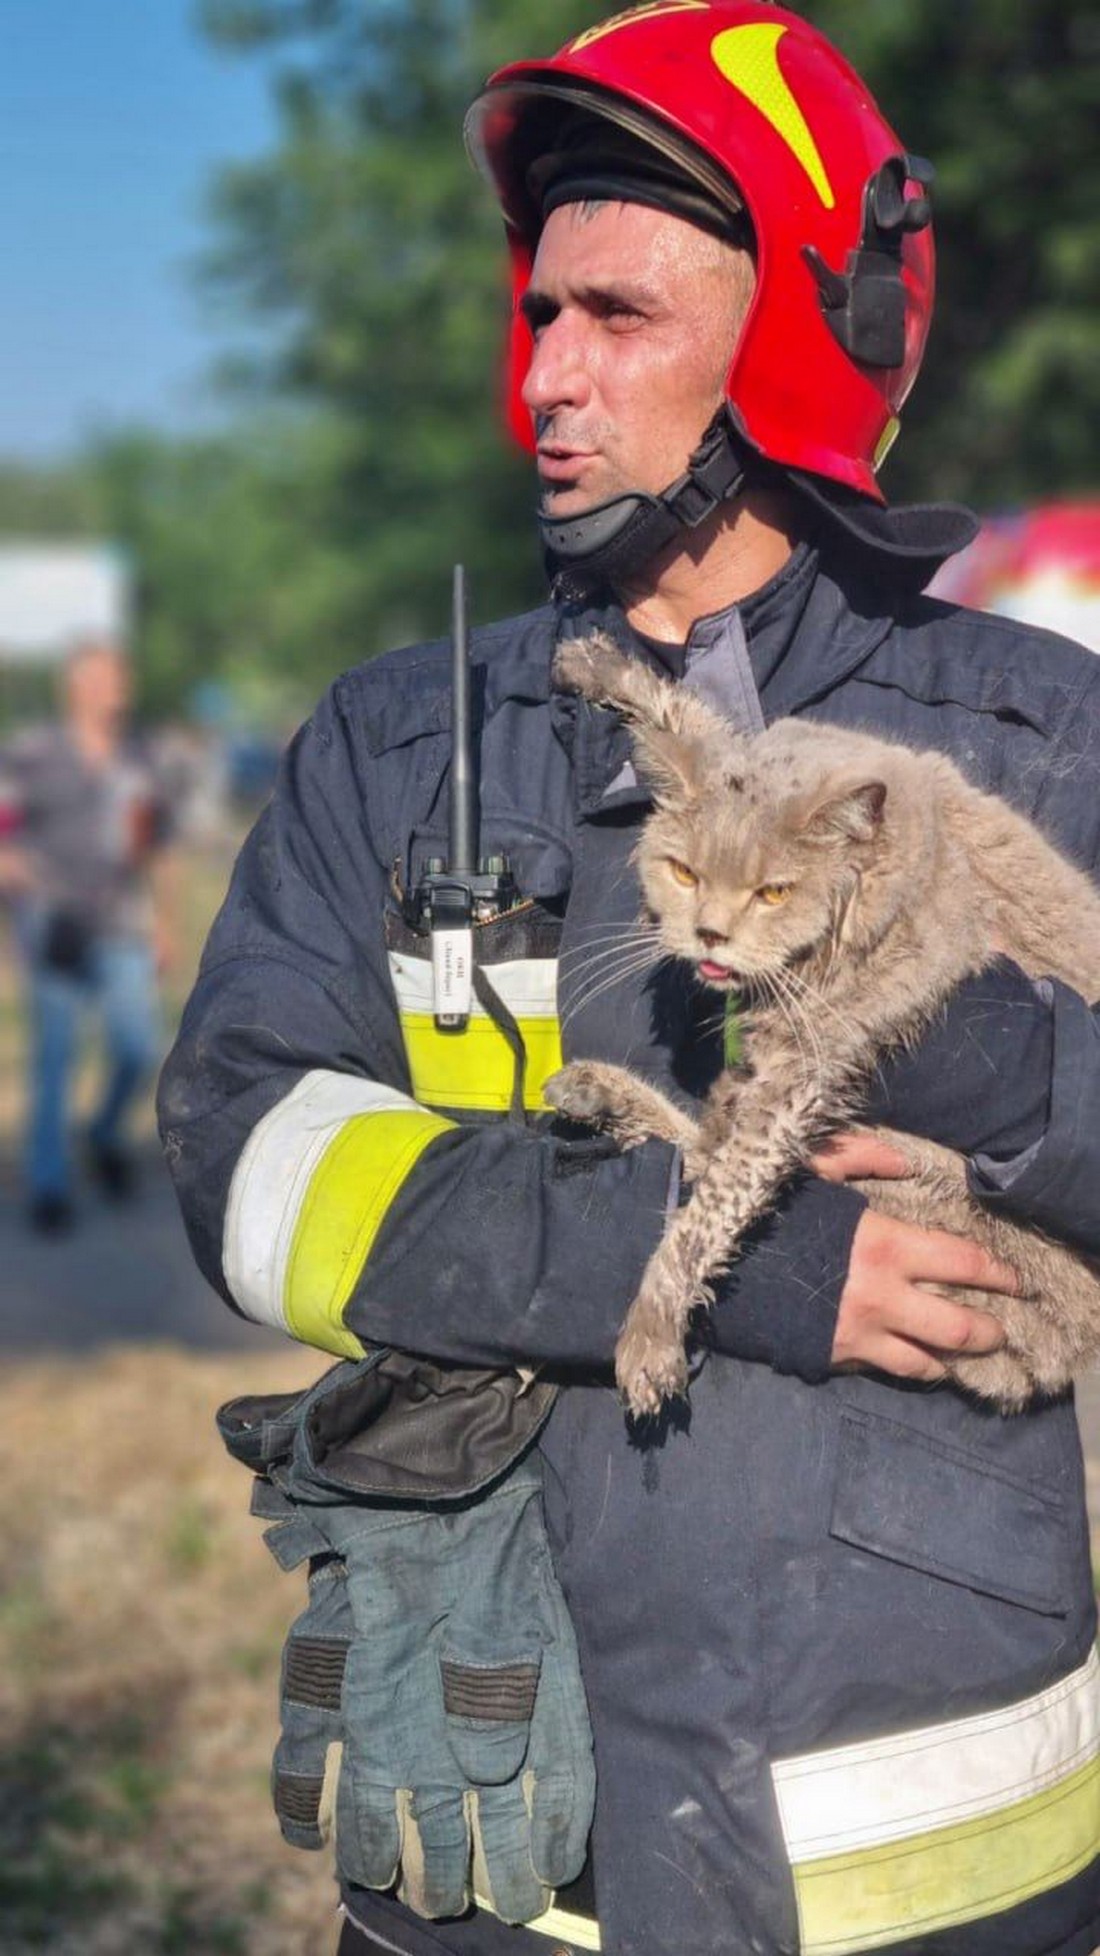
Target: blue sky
[{"x": 113, "y": 114}]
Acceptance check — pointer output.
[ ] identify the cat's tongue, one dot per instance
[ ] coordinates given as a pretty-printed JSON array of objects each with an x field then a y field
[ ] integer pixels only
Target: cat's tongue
[{"x": 715, "y": 974}]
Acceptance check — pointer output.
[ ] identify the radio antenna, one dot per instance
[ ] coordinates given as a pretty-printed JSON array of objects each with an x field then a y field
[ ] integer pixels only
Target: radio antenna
[{"x": 464, "y": 797}]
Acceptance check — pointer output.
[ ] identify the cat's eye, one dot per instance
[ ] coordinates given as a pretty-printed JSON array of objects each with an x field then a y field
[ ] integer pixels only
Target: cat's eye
[
  {"x": 682, "y": 874},
  {"x": 773, "y": 893}
]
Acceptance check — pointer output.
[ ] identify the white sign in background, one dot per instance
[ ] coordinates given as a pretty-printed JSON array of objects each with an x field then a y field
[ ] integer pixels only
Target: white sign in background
[{"x": 54, "y": 595}]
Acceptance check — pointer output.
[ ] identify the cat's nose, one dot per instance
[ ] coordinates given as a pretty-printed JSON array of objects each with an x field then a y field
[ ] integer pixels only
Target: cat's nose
[{"x": 710, "y": 938}]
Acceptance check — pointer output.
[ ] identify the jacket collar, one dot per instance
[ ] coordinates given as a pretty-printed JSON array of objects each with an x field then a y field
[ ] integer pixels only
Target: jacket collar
[{"x": 804, "y": 636}]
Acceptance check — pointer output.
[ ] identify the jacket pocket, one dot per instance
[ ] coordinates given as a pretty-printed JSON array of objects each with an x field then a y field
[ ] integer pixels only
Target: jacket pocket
[{"x": 942, "y": 1509}]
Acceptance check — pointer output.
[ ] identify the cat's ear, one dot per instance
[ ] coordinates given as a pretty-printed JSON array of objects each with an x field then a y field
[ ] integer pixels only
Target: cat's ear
[
  {"x": 675, "y": 769},
  {"x": 848, "y": 814}
]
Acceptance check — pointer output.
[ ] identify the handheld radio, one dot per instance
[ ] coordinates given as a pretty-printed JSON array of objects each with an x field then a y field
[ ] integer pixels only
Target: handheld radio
[{"x": 465, "y": 889}]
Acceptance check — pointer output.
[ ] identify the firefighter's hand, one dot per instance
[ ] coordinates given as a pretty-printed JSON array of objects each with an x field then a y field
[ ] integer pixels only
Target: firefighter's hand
[
  {"x": 859, "y": 1156},
  {"x": 888, "y": 1321}
]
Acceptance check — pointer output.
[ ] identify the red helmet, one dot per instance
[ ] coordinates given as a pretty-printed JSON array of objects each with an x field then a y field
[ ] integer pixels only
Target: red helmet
[{"x": 759, "y": 110}]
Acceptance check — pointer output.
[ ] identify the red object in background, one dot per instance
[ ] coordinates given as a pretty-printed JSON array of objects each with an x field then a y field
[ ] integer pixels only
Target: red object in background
[
  {"x": 1041, "y": 565},
  {"x": 757, "y": 92},
  {"x": 11, "y": 814}
]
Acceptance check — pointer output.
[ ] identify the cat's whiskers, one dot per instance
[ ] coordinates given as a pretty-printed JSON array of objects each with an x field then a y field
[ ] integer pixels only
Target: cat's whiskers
[
  {"x": 788, "y": 994},
  {"x": 623, "y": 935},
  {"x": 610, "y": 968},
  {"x": 583, "y": 1000},
  {"x": 821, "y": 1006}
]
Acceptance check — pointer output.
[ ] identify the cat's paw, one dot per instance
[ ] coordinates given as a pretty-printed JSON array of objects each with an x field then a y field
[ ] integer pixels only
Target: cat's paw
[
  {"x": 649, "y": 1370},
  {"x": 580, "y": 1090},
  {"x": 592, "y": 666}
]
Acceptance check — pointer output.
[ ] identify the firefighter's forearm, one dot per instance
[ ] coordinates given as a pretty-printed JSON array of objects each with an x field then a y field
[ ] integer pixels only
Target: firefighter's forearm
[{"x": 503, "y": 1247}]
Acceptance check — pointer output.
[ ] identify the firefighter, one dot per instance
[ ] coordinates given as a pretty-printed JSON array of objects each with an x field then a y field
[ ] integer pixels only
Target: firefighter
[{"x": 835, "y": 1620}]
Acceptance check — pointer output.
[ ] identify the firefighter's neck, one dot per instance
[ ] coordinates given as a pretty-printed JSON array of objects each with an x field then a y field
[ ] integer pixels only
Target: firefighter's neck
[{"x": 727, "y": 558}]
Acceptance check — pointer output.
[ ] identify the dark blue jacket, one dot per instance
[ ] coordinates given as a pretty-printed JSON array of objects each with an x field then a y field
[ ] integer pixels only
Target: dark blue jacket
[{"x": 831, "y": 1623}]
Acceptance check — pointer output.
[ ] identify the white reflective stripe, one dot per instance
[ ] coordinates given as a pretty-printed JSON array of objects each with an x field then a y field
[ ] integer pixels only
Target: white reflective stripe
[
  {"x": 273, "y": 1175},
  {"x": 861, "y": 1796},
  {"x": 528, "y": 986}
]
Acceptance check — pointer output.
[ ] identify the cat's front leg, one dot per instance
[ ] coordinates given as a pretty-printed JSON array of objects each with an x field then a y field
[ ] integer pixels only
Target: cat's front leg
[
  {"x": 611, "y": 1098},
  {"x": 738, "y": 1185}
]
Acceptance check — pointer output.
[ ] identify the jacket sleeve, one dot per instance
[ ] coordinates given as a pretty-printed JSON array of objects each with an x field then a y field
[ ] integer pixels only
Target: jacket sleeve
[
  {"x": 318, "y": 1196},
  {"x": 1051, "y": 1176},
  {"x": 1009, "y": 1074}
]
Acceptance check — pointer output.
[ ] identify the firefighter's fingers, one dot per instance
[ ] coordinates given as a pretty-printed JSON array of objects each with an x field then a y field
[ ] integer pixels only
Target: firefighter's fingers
[
  {"x": 503, "y": 1874},
  {"x": 940, "y": 1258},
  {"x": 435, "y": 1851},
  {"x": 901, "y": 1359},
  {"x": 887, "y": 1320},
  {"x": 859, "y": 1155},
  {"x": 559, "y": 1810},
  {"x": 368, "y": 1830}
]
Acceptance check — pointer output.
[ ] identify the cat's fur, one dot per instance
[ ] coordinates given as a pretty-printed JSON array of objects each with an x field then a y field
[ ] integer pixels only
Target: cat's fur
[{"x": 902, "y": 879}]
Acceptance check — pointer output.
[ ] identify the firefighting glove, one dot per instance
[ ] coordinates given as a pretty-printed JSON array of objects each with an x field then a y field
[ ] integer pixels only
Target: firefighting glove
[{"x": 467, "y": 1759}]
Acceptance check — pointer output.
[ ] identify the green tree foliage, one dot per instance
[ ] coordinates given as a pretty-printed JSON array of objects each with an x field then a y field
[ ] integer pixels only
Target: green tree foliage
[
  {"x": 235, "y": 575},
  {"x": 369, "y": 239},
  {"x": 1002, "y": 95}
]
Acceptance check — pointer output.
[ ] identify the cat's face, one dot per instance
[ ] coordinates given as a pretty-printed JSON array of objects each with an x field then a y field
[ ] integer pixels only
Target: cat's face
[{"x": 751, "y": 873}]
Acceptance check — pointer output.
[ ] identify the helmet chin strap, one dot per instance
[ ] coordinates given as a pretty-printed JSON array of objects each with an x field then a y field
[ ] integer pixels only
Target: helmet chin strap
[{"x": 621, "y": 536}]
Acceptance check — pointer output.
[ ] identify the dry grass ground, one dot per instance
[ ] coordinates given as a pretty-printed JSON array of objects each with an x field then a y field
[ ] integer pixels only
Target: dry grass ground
[{"x": 141, "y": 1620}]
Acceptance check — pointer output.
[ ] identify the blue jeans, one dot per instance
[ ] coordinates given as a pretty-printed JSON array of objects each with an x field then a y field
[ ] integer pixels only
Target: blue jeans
[{"x": 119, "y": 984}]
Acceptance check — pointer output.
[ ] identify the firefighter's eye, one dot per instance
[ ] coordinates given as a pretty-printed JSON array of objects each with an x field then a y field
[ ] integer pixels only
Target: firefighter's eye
[
  {"x": 682, "y": 873},
  {"x": 773, "y": 893}
]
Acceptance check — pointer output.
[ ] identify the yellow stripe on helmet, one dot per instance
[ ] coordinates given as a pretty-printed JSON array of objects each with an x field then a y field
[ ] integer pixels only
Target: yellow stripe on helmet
[{"x": 747, "y": 58}]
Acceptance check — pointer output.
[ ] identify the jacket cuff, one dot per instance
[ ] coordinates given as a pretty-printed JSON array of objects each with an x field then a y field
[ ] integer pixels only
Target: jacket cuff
[
  {"x": 1055, "y": 1183},
  {"x": 778, "y": 1304}
]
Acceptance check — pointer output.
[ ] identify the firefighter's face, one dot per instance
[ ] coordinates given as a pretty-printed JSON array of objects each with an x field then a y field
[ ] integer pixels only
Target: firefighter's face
[{"x": 635, "y": 316}]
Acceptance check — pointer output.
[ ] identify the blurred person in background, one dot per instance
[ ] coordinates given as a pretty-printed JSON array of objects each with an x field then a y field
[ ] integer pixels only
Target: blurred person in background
[{"x": 84, "y": 824}]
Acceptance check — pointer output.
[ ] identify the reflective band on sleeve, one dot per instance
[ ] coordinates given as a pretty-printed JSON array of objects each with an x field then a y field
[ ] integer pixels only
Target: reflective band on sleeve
[
  {"x": 580, "y": 1930},
  {"x": 344, "y": 1207},
  {"x": 932, "y": 1828},
  {"x": 473, "y": 1068},
  {"x": 308, "y": 1195}
]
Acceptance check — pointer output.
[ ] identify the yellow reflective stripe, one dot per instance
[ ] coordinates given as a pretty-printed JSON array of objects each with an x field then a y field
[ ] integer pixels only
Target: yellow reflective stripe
[
  {"x": 882, "y": 1895},
  {"x": 474, "y": 1068},
  {"x": 580, "y": 1930},
  {"x": 747, "y": 58},
  {"x": 348, "y": 1196},
  {"x": 885, "y": 442}
]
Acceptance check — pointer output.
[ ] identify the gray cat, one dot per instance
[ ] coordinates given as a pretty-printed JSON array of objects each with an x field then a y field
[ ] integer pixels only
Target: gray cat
[{"x": 846, "y": 885}]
